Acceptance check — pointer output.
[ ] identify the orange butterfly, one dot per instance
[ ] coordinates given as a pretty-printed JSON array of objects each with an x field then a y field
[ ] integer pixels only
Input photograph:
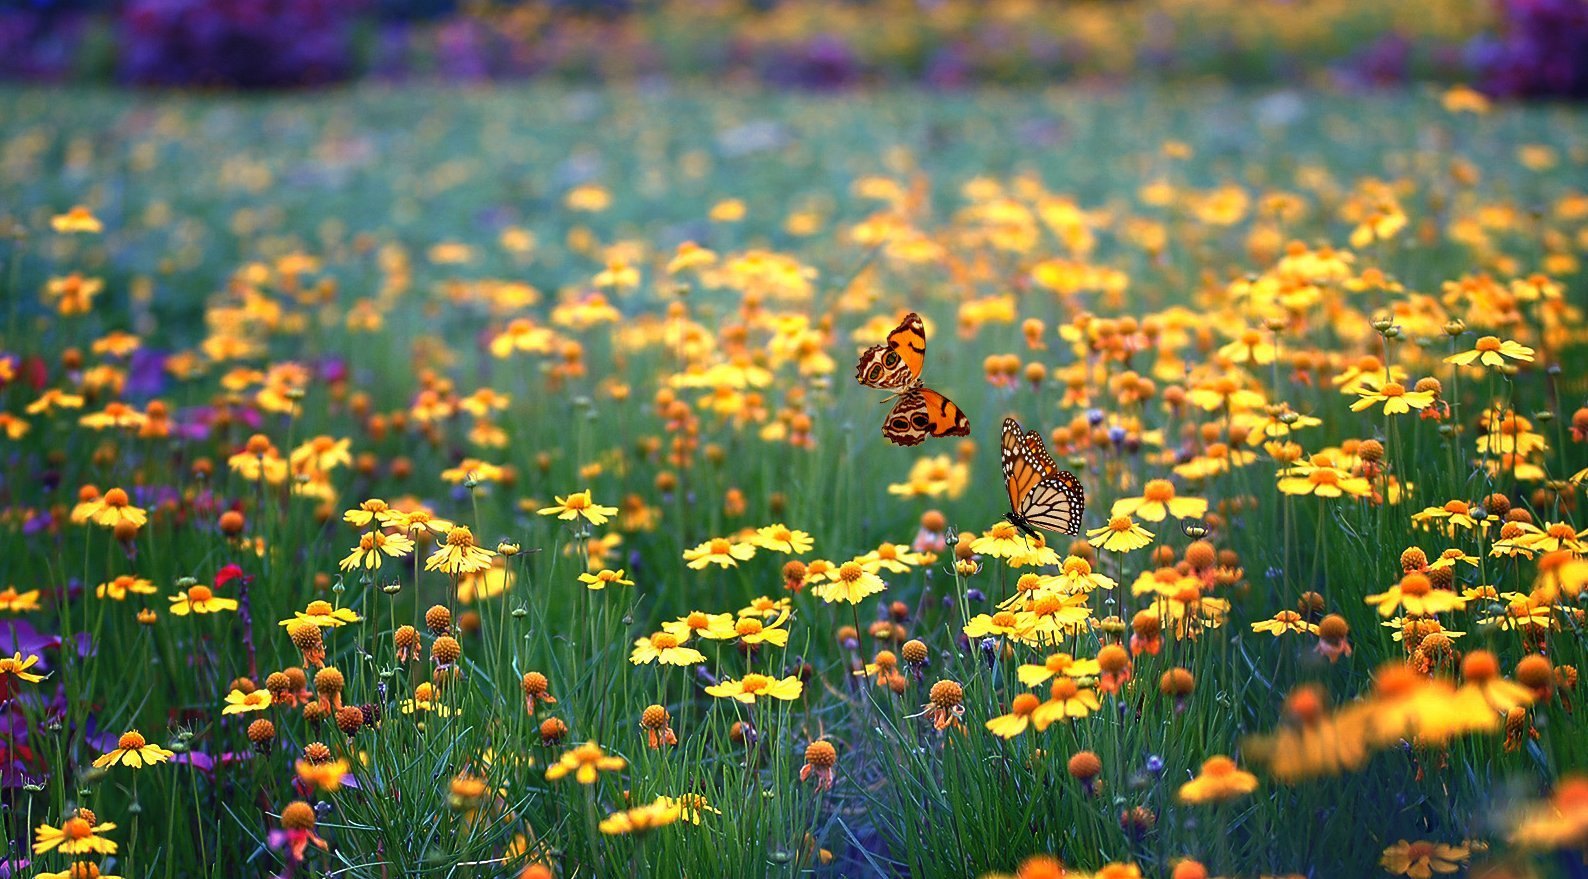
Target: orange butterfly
[
  {"x": 896, "y": 365},
  {"x": 1040, "y": 494}
]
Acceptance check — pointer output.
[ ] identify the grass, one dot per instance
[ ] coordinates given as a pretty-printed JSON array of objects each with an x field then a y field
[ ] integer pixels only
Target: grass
[{"x": 335, "y": 265}]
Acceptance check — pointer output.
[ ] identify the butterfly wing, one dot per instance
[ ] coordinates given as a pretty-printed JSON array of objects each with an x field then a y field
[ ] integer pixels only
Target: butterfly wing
[
  {"x": 1040, "y": 494},
  {"x": 1055, "y": 504},
  {"x": 921, "y": 413},
  {"x": 896, "y": 363},
  {"x": 1021, "y": 474}
]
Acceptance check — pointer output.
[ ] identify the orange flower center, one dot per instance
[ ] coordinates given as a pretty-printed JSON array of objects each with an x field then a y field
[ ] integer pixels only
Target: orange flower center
[
  {"x": 77, "y": 828},
  {"x": 1561, "y": 531},
  {"x": 1003, "y": 619},
  {"x": 200, "y": 594},
  {"x": 720, "y": 546},
  {"x": 664, "y": 641},
  {"x": 1024, "y": 704},
  {"x": 1488, "y": 343},
  {"x": 1058, "y": 662},
  {"x": 1393, "y": 389},
  {"x": 1159, "y": 490},
  {"x": 1077, "y": 567},
  {"x": 754, "y": 683},
  {"x": 318, "y": 608},
  {"x": 850, "y": 572},
  {"x": 1457, "y": 508},
  {"x": 130, "y": 741},
  {"x": 698, "y": 620},
  {"x": 1064, "y": 690},
  {"x": 748, "y": 626},
  {"x": 1003, "y": 531},
  {"x": 1119, "y": 523},
  {"x": 460, "y": 536},
  {"x": 1416, "y": 584}
]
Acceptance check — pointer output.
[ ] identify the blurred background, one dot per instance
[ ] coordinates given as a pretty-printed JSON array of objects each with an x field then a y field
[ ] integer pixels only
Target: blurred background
[{"x": 1535, "y": 49}]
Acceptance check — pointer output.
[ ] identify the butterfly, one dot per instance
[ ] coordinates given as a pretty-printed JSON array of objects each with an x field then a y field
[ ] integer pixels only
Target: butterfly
[
  {"x": 896, "y": 365},
  {"x": 1040, "y": 494}
]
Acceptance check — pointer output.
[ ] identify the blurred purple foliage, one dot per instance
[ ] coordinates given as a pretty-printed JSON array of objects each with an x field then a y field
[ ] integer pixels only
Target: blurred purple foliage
[
  {"x": 1541, "y": 50},
  {"x": 237, "y": 43}
]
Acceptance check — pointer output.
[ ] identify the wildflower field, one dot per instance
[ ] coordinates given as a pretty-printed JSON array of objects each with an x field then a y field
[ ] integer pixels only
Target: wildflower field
[{"x": 475, "y": 483}]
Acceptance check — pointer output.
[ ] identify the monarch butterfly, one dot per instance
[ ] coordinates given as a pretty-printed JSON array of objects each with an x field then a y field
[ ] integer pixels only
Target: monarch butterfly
[
  {"x": 896, "y": 365},
  {"x": 1040, "y": 494}
]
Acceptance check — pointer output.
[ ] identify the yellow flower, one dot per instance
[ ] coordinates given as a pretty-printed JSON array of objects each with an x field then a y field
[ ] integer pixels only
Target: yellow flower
[
  {"x": 1219, "y": 780},
  {"x": 459, "y": 555},
  {"x": 642, "y": 819},
  {"x": 16, "y": 665},
  {"x": 766, "y": 606},
  {"x": 747, "y": 688},
  {"x": 1322, "y": 480},
  {"x": 1286, "y": 621},
  {"x": 1491, "y": 351},
  {"x": 425, "y": 700},
  {"x": 373, "y": 549},
  {"x": 850, "y": 583},
  {"x": 322, "y": 614},
  {"x": 586, "y": 762},
  {"x": 487, "y": 583},
  {"x": 1396, "y": 399},
  {"x": 781, "y": 538},
  {"x": 719, "y": 551},
  {"x": 604, "y": 578},
  {"x": 1422, "y": 859},
  {"x": 713, "y": 626},
  {"x": 132, "y": 750},
  {"x": 238, "y": 702},
  {"x": 890, "y": 557},
  {"x": 200, "y": 599},
  {"x": 1004, "y": 623},
  {"x": 754, "y": 630},
  {"x": 1157, "y": 501},
  {"x": 78, "y": 219},
  {"x": 1120, "y": 535},
  {"x": 1060, "y": 664},
  {"x": 665, "y": 648},
  {"x": 579, "y": 506},
  {"x": 119, "y": 588},
  {"x": 1001, "y": 541},
  {"x": 18, "y": 602},
  {"x": 79, "y": 870},
  {"x": 77, "y": 835},
  {"x": 326, "y": 776},
  {"x": 1416, "y": 594},
  {"x": 1066, "y": 700},
  {"x": 114, "y": 509},
  {"x": 1022, "y": 714}
]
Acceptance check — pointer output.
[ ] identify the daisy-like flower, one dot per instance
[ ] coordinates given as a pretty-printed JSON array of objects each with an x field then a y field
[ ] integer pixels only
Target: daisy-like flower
[
  {"x": 1454, "y": 514},
  {"x": 755, "y": 630},
  {"x": 604, "y": 578},
  {"x": 1066, "y": 700},
  {"x": 1322, "y": 479},
  {"x": 712, "y": 626},
  {"x": 1450, "y": 557},
  {"x": 473, "y": 469},
  {"x": 372, "y": 510},
  {"x": 1120, "y": 535},
  {"x": 1491, "y": 351},
  {"x": 426, "y": 699},
  {"x": 850, "y": 583},
  {"x": 585, "y": 763},
  {"x": 1218, "y": 781},
  {"x": 1422, "y": 859},
  {"x": 579, "y": 506},
  {"x": 890, "y": 557},
  {"x": 1021, "y": 716},
  {"x": 1394, "y": 396},
  {"x": 1003, "y": 623},
  {"x": 18, "y": 602},
  {"x": 1416, "y": 594},
  {"x": 52, "y": 399},
  {"x": 238, "y": 702},
  {"x": 1158, "y": 500},
  {"x": 752, "y": 686},
  {"x": 77, "y": 220},
  {"x": 199, "y": 598},
  {"x": 419, "y": 521},
  {"x": 132, "y": 750},
  {"x": 1286, "y": 621},
  {"x": 325, "y": 775},
  {"x": 374, "y": 547},
  {"x": 1001, "y": 541},
  {"x": 119, "y": 588},
  {"x": 781, "y": 538},
  {"x": 78, "y": 870},
  {"x": 1034, "y": 553},
  {"x": 766, "y": 606},
  {"x": 322, "y": 614},
  {"x": 17, "y": 666},
  {"x": 1058, "y": 664},
  {"x": 77, "y": 835},
  {"x": 459, "y": 554},
  {"x": 641, "y": 819},
  {"x": 114, "y": 509},
  {"x": 665, "y": 648},
  {"x": 487, "y": 583},
  {"x": 719, "y": 551},
  {"x": 1078, "y": 576}
]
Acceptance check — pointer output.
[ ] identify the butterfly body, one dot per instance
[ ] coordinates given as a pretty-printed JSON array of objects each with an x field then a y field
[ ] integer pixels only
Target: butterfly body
[
  {"x": 896, "y": 365},
  {"x": 1041, "y": 494}
]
